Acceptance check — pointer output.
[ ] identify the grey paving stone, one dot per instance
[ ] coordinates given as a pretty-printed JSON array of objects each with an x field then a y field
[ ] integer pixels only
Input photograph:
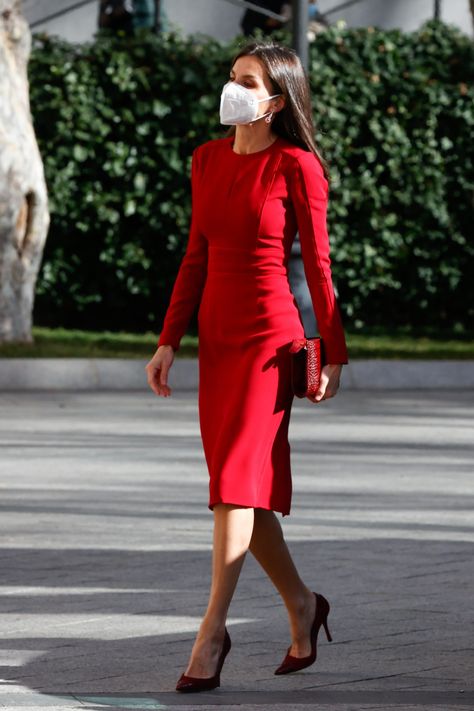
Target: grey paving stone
[
  {"x": 342, "y": 701},
  {"x": 105, "y": 543}
]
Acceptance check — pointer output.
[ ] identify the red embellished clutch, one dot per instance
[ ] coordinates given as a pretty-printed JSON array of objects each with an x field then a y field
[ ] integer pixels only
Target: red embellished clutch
[{"x": 306, "y": 364}]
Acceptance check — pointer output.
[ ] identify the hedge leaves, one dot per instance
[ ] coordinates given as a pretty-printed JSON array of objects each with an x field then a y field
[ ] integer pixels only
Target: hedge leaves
[{"x": 117, "y": 120}]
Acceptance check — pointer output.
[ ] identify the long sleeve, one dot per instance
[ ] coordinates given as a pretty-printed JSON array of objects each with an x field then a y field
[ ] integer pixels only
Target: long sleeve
[
  {"x": 309, "y": 195},
  {"x": 189, "y": 284}
]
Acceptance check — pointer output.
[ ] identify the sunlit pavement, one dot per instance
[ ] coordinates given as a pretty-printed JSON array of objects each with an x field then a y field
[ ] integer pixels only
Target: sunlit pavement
[{"x": 105, "y": 554}]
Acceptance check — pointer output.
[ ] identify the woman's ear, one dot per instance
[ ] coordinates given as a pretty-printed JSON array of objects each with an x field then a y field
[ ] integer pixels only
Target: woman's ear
[{"x": 278, "y": 105}]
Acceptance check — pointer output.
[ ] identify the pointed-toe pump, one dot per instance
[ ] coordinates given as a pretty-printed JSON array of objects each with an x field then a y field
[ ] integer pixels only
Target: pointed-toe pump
[
  {"x": 292, "y": 664},
  {"x": 190, "y": 684}
]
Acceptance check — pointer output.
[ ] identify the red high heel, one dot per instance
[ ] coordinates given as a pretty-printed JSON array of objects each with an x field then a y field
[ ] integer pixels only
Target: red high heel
[
  {"x": 189, "y": 684},
  {"x": 292, "y": 664}
]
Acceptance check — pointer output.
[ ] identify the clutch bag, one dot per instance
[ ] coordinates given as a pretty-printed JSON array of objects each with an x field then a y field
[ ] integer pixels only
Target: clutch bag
[{"x": 307, "y": 360}]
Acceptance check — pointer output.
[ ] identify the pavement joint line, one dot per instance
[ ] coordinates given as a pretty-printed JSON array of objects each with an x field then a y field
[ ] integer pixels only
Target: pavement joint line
[{"x": 219, "y": 697}]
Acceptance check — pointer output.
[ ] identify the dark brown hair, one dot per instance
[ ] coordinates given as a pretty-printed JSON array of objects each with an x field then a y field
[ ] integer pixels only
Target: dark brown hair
[{"x": 287, "y": 76}]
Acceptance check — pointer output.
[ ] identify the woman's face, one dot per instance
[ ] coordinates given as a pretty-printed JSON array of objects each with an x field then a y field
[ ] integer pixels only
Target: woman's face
[{"x": 250, "y": 73}]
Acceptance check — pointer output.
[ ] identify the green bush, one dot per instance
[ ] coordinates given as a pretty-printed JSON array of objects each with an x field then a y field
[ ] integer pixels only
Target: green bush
[
  {"x": 396, "y": 112},
  {"x": 117, "y": 120}
]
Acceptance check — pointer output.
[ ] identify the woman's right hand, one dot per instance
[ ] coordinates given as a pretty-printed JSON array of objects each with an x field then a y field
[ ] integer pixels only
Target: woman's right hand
[{"x": 157, "y": 370}]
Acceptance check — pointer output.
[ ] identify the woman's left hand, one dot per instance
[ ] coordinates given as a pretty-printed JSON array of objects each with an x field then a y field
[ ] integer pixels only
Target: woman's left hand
[{"x": 328, "y": 384}]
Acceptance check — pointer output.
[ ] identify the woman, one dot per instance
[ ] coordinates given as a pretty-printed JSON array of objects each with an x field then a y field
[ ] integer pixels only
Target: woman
[{"x": 252, "y": 191}]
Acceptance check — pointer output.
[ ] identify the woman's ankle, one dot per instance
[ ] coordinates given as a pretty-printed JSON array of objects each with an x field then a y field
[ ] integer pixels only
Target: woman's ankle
[
  {"x": 300, "y": 604},
  {"x": 212, "y": 629}
]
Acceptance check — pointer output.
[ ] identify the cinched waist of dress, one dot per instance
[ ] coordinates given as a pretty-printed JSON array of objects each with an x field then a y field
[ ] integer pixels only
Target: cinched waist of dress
[{"x": 265, "y": 261}]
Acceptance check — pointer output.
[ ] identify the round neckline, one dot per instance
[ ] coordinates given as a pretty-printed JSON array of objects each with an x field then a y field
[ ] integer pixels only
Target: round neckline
[{"x": 254, "y": 153}]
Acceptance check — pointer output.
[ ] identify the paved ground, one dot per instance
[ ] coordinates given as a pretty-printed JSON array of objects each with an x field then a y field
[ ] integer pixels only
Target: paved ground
[{"x": 105, "y": 539}]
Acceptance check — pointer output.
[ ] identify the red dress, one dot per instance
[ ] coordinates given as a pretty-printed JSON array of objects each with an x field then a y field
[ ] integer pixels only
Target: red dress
[{"x": 246, "y": 212}]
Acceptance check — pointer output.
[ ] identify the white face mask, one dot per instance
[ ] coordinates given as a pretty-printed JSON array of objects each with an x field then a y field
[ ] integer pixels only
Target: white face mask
[{"x": 240, "y": 105}]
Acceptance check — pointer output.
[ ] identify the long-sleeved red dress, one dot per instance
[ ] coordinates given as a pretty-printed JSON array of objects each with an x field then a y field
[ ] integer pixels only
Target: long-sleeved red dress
[{"x": 246, "y": 210}]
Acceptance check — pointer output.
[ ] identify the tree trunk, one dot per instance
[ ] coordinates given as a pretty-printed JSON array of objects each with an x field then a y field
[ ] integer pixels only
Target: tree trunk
[{"x": 24, "y": 216}]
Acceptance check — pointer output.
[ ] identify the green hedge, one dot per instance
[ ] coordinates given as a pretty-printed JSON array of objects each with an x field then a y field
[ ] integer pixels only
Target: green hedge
[{"x": 117, "y": 121}]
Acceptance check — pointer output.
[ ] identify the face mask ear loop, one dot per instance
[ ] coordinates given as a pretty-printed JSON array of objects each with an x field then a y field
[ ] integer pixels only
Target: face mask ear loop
[{"x": 269, "y": 117}]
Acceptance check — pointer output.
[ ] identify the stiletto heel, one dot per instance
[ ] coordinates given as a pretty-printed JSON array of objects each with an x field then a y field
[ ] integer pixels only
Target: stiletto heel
[
  {"x": 328, "y": 634},
  {"x": 292, "y": 664},
  {"x": 189, "y": 684}
]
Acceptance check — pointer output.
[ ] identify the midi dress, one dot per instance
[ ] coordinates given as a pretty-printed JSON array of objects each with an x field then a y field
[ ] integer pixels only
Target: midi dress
[{"x": 246, "y": 210}]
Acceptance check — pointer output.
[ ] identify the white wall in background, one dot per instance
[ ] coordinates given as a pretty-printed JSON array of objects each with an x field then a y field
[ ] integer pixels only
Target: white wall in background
[
  {"x": 221, "y": 19},
  {"x": 405, "y": 14},
  {"x": 76, "y": 26},
  {"x": 217, "y": 18}
]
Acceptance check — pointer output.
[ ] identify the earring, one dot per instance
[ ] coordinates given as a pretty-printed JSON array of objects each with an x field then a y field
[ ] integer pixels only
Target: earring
[{"x": 268, "y": 119}]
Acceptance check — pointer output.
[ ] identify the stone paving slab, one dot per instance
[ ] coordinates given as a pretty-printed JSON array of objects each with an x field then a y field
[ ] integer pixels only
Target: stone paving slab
[
  {"x": 251, "y": 701},
  {"x": 105, "y": 543}
]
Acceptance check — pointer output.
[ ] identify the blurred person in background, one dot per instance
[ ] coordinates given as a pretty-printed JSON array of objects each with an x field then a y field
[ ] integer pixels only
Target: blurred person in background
[
  {"x": 317, "y": 21},
  {"x": 253, "y": 20},
  {"x": 116, "y": 15},
  {"x": 130, "y": 15}
]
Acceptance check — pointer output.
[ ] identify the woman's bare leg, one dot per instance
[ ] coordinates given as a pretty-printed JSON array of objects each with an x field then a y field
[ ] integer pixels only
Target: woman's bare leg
[
  {"x": 269, "y": 548},
  {"x": 232, "y": 533}
]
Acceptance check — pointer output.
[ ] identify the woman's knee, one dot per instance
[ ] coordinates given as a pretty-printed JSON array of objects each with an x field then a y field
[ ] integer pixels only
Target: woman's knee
[
  {"x": 267, "y": 523},
  {"x": 223, "y": 508}
]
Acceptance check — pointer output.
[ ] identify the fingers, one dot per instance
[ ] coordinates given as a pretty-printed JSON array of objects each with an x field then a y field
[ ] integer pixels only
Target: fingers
[
  {"x": 323, "y": 386},
  {"x": 162, "y": 380},
  {"x": 153, "y": 379},
  {"x": 328, "y": 388},
  {"x": 163, "y": 374},
  {"x": 161, "y": 383},
  {"x": 157, "y": 377}
]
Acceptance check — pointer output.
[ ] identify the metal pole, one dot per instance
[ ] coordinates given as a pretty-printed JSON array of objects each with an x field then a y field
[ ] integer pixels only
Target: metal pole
[
  {"x": 341, "y": 6},
  {"x": 297, "y": 278},
  {"x": 157, "y": 21},
  {"x": 437, "y": 9},
  {"x": 300, "y": 30},
  {"x": 261, "y": 10}
]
